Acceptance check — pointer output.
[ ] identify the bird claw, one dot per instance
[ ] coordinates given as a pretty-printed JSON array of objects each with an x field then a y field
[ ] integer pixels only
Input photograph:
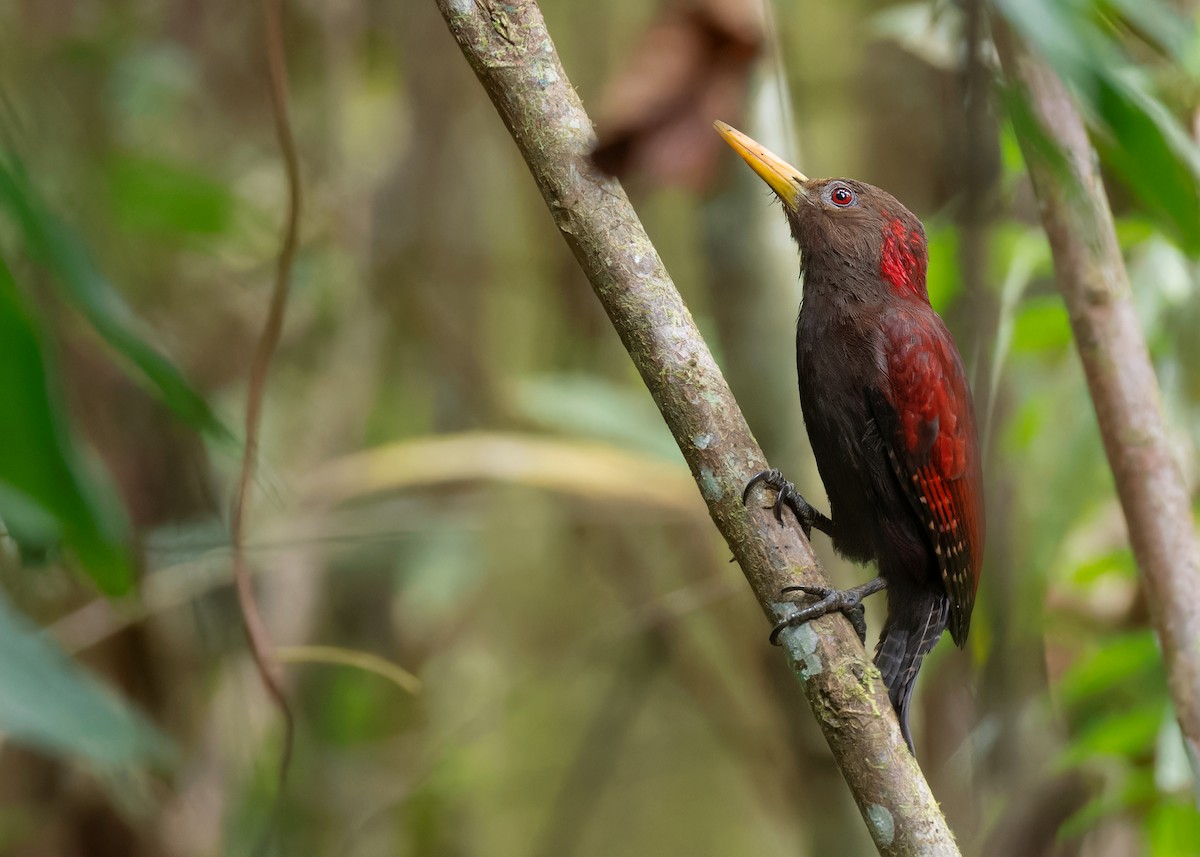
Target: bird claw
[
  {"x": 815, "y": 591},
  {"x": 787, "y": 495},
  {"x": 856, "y": 613},
  {"x": 848, "y": 602}
]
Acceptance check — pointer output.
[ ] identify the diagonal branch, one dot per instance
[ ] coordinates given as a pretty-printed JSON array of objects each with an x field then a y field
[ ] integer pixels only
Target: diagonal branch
[
  {"x": 1091, "y": 275},
  {"x": 511, "y": 53}
]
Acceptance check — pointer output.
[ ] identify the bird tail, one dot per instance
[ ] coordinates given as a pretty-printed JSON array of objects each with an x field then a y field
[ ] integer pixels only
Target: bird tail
[{"x": 915, "y": 623}]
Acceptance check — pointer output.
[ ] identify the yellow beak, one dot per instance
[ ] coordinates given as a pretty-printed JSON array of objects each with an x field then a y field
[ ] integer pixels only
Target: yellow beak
[{"x": 784, "y": 179}]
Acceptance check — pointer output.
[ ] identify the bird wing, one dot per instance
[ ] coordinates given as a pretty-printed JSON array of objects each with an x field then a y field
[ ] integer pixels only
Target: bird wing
[{"x": 927, "y": 424}]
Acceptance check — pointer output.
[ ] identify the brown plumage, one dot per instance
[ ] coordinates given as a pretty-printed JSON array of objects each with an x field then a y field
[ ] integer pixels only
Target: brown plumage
[{"x": 888, "y": 412}]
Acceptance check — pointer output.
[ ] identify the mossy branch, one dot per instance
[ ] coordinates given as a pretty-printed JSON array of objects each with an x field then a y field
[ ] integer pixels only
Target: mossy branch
[
  {"x": 511, "y": 53},
  {"x": 1095, "y": 286}
]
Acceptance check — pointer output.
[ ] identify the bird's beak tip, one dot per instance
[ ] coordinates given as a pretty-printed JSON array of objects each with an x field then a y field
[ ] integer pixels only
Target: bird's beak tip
[{"x": 783, "y": 178}]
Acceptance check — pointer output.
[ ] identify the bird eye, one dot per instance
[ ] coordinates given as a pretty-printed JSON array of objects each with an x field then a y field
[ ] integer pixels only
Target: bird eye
[{"x": 841, "y": 196}]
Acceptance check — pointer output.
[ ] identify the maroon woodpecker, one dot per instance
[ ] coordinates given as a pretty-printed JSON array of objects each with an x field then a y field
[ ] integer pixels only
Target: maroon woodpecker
[{"x": 889, "y": 417}]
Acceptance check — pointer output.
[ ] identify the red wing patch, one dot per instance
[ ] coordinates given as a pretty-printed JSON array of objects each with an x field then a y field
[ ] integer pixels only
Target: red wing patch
[
  {"x": 903, "y": 260},
  {"x": 930, "y": 437}
]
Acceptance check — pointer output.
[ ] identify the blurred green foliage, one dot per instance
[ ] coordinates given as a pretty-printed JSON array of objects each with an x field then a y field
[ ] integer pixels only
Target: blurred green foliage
[
  {"x": 1142, "y": 141},
  {"x": 163, "y": 199},
  {"x": 45, "y": 495},
  {"x": 165, "y": 196},
  {"x": 49, "y": 703},
  {"x": 595, "y": 678}
]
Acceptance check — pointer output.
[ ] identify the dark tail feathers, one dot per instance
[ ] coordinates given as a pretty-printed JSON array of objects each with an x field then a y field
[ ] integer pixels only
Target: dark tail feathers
[{"x": 908, "y": 635}]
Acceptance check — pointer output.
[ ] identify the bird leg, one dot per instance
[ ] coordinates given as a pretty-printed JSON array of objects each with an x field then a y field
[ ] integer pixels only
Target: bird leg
[
  {"x": 787, "y": 495},
  {"x": 846, "y": 601}
]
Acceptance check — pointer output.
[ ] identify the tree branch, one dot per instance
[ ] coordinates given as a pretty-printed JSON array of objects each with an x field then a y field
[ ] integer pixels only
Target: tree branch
[
  {"x": 1091, "y": 275},
  {"x": 511, "y": 53}
]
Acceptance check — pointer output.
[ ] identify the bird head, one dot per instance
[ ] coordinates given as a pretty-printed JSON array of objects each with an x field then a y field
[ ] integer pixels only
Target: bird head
[{"x": 842, "y": 224}]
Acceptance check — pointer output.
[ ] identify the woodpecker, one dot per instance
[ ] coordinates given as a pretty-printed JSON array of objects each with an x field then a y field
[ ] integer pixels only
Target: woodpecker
[{"x": 889, "y": 417}]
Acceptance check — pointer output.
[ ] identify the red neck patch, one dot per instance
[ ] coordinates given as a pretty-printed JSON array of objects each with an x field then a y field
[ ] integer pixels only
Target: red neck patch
[{"x": 904, "y": 260}]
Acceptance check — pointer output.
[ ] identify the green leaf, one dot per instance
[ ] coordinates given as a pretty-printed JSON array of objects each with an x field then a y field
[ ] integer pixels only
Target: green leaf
[
  {"x": 44, "y": 494},
  {"x": 1153, "y": 155},
  {"x": 1041, "y": 326},
  {"x": 53, "y": 245},
  {"x": 1132, "y": 231},
  {"x": 49, "y": 703},
  {"x": 1118, "y": 562},
  {"x": 1028, "y": 129},
  {"x": 1126, "y": 734},
  {"x": 1161, "y": 25},
  {"x": 1173, "y": 770},
  {"x": 1141, "y": 140},
  {"x": 1173, "y": 830},
  {"x": 1110, "y": 665},
  {"x": 944, "y": 280},
  {"x": 154, "y": 196},
  {"x": 1011, "y": 159}
]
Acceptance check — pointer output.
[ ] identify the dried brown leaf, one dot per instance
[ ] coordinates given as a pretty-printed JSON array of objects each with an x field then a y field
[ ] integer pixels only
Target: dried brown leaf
[{"x": 691, "y": 66}]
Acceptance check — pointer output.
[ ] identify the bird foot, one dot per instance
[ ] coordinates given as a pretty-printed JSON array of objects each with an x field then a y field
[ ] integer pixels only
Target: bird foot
[
  {"x": 848, "y": 602},
  {"x": 787, "y": 495}
]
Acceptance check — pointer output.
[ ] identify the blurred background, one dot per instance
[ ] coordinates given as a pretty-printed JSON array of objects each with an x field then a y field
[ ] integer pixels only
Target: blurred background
[{"x": 508, "y": 626}]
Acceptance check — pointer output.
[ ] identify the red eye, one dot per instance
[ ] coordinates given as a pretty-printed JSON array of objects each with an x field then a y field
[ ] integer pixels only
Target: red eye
[{"x": 842, "y": 196}]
